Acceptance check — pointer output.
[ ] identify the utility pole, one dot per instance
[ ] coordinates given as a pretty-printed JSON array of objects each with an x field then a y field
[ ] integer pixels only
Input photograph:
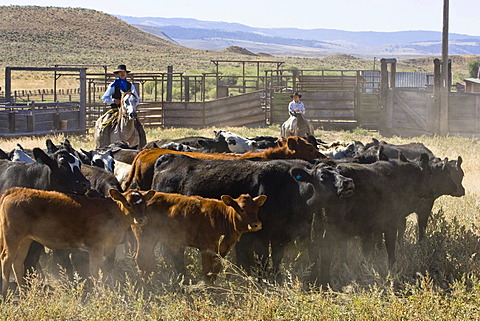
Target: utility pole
[{"x": 444, "y": 73}]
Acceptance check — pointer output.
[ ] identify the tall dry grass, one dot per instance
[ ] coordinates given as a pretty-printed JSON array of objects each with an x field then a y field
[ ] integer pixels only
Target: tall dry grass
[{"x": 437, "y": 279}]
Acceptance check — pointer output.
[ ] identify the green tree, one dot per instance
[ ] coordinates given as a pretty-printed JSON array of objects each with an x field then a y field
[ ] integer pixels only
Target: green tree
[{"x": 473, "y": 68}]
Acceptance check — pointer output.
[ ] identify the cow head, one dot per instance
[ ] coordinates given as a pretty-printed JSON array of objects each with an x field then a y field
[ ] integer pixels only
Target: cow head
[
  {"x": 246, "y": 211},
  {"x": 417, "y": 174},
  {"x": 324, "y": 183},
  {"x": 103, "y": 160},
  {"x": 447, "y": 176},
  {"x": 132, "y": 203},
  {"x": 299, "y": 148},
  {"x": 217, "y": 145},
  {"x": 65, "y": 175}
]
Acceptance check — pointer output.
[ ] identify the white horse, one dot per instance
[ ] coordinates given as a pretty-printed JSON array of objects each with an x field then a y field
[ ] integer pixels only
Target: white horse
[
  {"x": 297, "y": 125},
  {"x": 121, "y": 124}
]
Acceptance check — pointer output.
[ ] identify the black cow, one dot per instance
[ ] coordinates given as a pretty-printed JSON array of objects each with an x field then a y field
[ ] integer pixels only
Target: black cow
[
  {"x": 440, "y": 183},
  {"x": 101, "y": 181},
  {"x": 264, "y": 142},
  {"x": 385, "y": 193},
  {"x": 59, "y": 172},
  {"x": 294, "y": 188},
  {"x": 207, "y": 145}
]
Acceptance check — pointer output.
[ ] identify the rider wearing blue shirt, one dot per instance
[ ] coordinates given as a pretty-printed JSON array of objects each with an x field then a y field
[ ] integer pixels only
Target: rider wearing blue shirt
[{"x": 114, "y": 91}]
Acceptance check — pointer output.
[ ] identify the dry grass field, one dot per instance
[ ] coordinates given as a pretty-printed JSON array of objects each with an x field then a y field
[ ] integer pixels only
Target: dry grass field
[{"x": 435, "y": 280}]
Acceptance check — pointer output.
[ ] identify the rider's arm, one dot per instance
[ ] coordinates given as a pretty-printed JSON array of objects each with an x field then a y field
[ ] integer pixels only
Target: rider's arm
[
  {"x": 107, "y": 96},
  {"x": 301, "y": 107}
]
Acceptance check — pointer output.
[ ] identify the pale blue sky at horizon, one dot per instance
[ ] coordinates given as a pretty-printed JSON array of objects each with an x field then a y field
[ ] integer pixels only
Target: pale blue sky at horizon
[{"x": 351, "y": 15}]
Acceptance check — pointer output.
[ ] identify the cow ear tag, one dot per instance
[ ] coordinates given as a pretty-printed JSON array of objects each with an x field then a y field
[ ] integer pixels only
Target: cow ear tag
[
  {"x": 298, "y": 177},
  {"x": 39, "y": 160}
]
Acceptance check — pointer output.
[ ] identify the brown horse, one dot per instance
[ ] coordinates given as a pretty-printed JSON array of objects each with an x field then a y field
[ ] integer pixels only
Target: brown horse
[{"x": 121, "y": 124}]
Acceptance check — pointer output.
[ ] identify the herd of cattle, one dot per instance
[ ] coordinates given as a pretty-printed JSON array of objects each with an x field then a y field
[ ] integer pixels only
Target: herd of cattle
[{"x": 207, "y": 192}]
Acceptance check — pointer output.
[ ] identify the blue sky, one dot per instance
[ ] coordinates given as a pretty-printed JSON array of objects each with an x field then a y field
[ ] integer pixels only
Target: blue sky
[{"x": 352, "y": 15}]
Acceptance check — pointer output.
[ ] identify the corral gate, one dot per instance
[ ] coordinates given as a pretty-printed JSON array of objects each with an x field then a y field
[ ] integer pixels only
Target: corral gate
[
  {"x": 334, "y": 99},
  {"x": 414, "y": 112},
  {"x": 411, "y": 112}
]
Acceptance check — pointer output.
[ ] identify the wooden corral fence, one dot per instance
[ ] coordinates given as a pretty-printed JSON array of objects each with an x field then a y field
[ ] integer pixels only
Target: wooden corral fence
[
  {"x": 18, "y": 119},
  {"x": 242, "y": 110},
  {"x": 334, "y": 99},
  {"x": 40, "y": 118}
]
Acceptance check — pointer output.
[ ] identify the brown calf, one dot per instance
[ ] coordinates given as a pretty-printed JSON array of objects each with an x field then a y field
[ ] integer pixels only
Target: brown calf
[
  {"x": 211, "y": 225},
  {"x": 141, "y": 173},
  {"x": 61, "y": 221}
]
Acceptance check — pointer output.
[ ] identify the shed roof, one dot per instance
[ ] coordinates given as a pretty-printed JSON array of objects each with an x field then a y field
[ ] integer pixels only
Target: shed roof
[{"x": 474, "y": 80}]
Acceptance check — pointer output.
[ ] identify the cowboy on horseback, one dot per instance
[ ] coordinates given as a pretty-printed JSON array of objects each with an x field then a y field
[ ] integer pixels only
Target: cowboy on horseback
[
  {"x": 108, "y": 125},
  {"x": 297, "y": 124}
]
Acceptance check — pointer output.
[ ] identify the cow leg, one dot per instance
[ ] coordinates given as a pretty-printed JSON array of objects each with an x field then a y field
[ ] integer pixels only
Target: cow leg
[
  {"x": 423, "y": 211},
  {"x": 390, "y": 243},
  {"x": 244, "y": 253},
  {"x": 211, "y": 265},
  {"x": 261, "y": 249},
  {"x": 177, "y": 257},
  {"x": 80, "y": 261},
  {"x": 368, "y": 244},
  {"x": 402, "y": 226},
  {"x": 33, "y": 257},
  {"x": 7, "y": 260},
  {"x": 18, "y": 267},
  {"x": 96, "y": 262},
  {"x": 61, "y": 258},
  {"x": 278, "y": 251},
  {"x": 146, "y": 240},
  {"x": 327, "y": 247}
]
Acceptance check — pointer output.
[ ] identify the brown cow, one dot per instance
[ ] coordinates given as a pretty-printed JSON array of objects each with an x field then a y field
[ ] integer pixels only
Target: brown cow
[
  {"x": 143, "y": 165},
  {"x": 211, "y": 225},
  {"x": 61, "y": 221}
]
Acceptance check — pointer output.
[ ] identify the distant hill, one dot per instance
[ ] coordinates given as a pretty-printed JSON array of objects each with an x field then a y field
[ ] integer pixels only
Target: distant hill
[
  {"x": 210, "y": 35},
  {"x": 43, "y": 36}
]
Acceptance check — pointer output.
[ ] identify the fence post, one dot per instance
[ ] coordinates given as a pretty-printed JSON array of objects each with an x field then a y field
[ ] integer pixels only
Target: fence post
[
  {"x": 31, "y": 118},
  {"x": 187, "y": 88},
  {"x": 383, "y": 96},
  {"x": 82, "y": 119},
  {"x": 437, "y": 81},
  {"x": 358, "y": 101},
  {"x": 169, "y": 82},
  {"x": 8, "y": 85},
  {"x": 11, "y": 121}
]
